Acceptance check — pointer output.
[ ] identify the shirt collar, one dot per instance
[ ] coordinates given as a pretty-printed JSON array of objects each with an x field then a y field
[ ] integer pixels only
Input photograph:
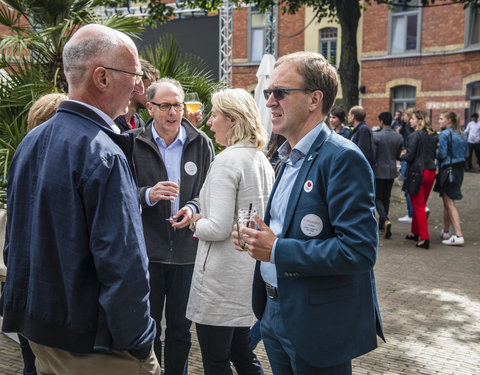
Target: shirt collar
[
  {"x": 285, "y": 152},
  {"x": 102, "y": 114},
  {"x": 181, "y": 135}
]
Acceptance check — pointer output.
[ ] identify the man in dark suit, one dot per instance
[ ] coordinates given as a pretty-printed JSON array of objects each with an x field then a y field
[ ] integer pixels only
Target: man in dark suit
[
  {"x": 362, "y": 134},
  {"x": 387, "y": 145},
  {"x": 314, "y": 288}
]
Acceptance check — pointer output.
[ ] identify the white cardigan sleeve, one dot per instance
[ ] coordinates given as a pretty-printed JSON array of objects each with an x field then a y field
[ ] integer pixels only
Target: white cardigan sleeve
[{"x": 221, "y": 196}]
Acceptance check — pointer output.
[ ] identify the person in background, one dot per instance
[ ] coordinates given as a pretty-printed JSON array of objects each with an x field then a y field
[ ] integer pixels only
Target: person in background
[
  {"x": 172, "y": 158},
  {"x": 388, "y": 145},
  {"x": 314, "y": 288},
  {"x": 397, "y": 121},
  {"x": 44, "y": 109},
  {"x": 336, "y": 120},
  {"x": 77, "y": 286},
  {"x": 473, "y": 131},
  {"x": 405, "y": 130},
  {"x": 452, "y": 150},
  {"x": 276, "y": 140},
  {"x": 362, "y": 135},
  {"x": 239, "y": 177},
  {"x": 420, "y": 155}
]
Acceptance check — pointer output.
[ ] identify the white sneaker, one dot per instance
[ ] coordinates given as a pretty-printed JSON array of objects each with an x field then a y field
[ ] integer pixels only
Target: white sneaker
[
  {"x": 454, "y": 241},
  {"x": 427, "y": 211},
  {"x": 405, "y": 219},
  {"x": 444, "y": 236}
]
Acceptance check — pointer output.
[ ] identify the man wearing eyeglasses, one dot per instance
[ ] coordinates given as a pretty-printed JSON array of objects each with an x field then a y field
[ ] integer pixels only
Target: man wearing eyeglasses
[
  {"x": 314, "y": 288},
  {"x": 172, "y": 158},
  {"x": 77, "y": 284}
]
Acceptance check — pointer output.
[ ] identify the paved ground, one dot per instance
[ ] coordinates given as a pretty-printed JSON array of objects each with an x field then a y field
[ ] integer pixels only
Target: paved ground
[{"x": 429, "y": 300}]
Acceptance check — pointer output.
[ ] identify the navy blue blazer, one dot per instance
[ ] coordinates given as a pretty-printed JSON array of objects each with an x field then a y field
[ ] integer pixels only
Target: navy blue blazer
[{"x": 325, "y": 255}]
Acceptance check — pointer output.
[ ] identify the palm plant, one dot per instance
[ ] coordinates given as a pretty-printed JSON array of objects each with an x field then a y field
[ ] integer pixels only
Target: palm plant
[{"x": 31, "y": 54}]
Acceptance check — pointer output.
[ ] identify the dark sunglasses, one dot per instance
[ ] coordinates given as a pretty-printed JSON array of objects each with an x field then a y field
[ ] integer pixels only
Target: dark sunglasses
[{"x": 279, "y": 93}]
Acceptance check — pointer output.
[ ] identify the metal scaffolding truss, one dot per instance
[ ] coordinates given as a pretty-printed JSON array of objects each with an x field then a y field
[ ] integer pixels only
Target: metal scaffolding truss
[{"x": 226, "y": 41}]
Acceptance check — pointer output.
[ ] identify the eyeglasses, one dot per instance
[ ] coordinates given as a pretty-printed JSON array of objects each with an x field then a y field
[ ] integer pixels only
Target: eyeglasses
[
  {"x": 279, "y": 93},
  {"x": 166, "y": 106},
  {"x": 138, "y": 76}
]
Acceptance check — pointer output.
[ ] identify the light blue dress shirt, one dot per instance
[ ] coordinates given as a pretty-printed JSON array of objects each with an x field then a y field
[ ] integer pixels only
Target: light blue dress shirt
[
  {"x": 172, "y": 159},
  {"x": 293, "y": 159}
]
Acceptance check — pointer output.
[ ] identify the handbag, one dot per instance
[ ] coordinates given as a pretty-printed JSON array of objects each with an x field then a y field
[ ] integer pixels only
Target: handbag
[
  {"x": 445, "y": 175},
  {"x": 414, "y": 182}
]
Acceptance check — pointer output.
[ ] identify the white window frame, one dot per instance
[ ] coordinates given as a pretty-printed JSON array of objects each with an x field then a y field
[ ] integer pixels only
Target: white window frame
[
  {"x": 405, "y": 102},
  {"x": 472, "y": 17},
  {"x": 254, "y": 11},
  {"x": 394, "y": 16},
  {"x": 329, "y": 41}
]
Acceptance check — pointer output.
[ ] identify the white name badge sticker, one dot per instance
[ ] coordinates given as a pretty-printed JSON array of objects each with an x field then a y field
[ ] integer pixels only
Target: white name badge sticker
[
  {"x": 191, "y": 168},
  {"x": 308, "y": 186},
  {"x": 311, "y": 225}
]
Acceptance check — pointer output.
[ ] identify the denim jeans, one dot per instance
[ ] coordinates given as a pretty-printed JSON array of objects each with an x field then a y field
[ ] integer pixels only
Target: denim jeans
[
  {"x": 170, "y": 283},
  {"x": 403, "y": 169}
]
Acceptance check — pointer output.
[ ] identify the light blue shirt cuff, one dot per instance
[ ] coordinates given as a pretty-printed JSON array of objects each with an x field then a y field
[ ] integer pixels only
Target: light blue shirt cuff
[
  {"x": 147, "y": 194},
  {"x": 272, "y": 254},
  {"x": 193, "y": 207}
]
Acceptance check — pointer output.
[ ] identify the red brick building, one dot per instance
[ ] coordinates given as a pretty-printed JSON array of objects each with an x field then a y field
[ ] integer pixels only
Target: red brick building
[
  {"x": 427, "y": 58},
  {"x": 249, "y": 39}
]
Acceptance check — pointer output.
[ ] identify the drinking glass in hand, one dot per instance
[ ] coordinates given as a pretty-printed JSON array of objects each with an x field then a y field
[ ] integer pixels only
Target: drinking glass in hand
[
  {"x": 174, "y": 200},
  {"x": 192, "y": 102},
  {"x": 245, "y": 219}
]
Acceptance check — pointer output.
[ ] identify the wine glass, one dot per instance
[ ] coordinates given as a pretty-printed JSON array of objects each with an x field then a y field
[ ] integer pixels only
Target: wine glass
[
  {"x": 192, "y": 102},
  {"x": 175, "y": 199}
]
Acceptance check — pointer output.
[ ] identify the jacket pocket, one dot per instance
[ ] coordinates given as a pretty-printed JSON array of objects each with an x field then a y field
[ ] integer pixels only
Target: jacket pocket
[{"x": 206, "y": 257}]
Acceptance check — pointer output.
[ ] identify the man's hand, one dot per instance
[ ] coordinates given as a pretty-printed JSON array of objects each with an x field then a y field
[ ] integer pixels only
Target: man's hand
[
  {"x": 187, "y": 214},
  {"x": 195, "y": 118},
  {"x": 163, "y": 190},
  {"x": 258, "y": 243}
]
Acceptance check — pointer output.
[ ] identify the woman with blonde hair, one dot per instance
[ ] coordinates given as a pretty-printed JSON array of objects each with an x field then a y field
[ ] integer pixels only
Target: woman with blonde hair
[
  {"x": 43, "y": 109},
  {"x": 220, "y": 294},
  {"x": 452, "y": 152},
  {"x": 420, "y": 157}
]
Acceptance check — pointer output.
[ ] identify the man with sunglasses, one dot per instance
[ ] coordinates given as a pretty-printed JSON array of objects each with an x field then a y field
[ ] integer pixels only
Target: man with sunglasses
[
  {"x": 172, "y": 158},
  {"x": 314, "y": 288},
  {"x": 77, "y": 284}
]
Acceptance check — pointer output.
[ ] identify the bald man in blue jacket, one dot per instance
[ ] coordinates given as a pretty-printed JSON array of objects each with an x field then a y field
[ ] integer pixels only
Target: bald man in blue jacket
[{"x": 314, "y": 288}]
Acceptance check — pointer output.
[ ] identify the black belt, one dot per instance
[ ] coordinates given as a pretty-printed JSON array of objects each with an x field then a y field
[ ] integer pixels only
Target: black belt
[{"x": 271, "y": 291}]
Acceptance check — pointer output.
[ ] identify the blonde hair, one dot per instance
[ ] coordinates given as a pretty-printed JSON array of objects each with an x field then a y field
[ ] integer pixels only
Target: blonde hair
[
  {"x": 408, "y": 112},
  {"x": 43, "y": 109},
  {"x": 239, "y": 106},
  {"x": 317, "y": 74},
  {"x": 454, "y": 119},
  {"x": 425, "y": 123}
]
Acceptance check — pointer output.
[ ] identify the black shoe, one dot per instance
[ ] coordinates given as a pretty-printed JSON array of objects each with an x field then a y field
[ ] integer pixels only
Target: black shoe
[
  {"x": 388, "y": 229},
  {"x": 413, "y": 237},
  {"x": 425, "y": 244}
]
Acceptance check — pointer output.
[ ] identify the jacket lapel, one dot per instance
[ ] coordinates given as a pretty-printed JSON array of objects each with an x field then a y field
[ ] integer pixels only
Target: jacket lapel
[{"x": 308, "y": 162}]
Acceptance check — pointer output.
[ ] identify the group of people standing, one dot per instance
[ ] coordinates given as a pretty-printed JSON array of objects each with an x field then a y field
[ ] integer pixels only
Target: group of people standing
[
  {"x": 106, "y": 230},
  {"x": 426, "y": 157}
]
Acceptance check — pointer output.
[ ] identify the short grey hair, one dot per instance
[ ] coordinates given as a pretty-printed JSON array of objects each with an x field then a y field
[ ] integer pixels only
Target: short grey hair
[{"x": 152, "y": 89}]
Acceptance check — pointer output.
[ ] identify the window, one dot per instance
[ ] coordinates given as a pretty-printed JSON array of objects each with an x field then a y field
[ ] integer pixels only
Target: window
[
  {"x": 404, "y": 27},
  {"x": 328, "y": 44},
  {"x": 473, "y": 94},
  {"x": 472, "y": 27},
  {"x": 403, "y": 97},
  {"x": 257, "y": 34}
]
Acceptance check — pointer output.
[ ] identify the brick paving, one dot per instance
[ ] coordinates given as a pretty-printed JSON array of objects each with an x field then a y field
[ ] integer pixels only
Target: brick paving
[{"x": 429, "y": 300}]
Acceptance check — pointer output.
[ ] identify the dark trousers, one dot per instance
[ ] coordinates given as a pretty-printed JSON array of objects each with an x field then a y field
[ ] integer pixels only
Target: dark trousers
[
  {"x": 282, "y": 355},
  {"x": 471, "y": 148},
  {"x": 383, "y": 190},
  {"x": 220, "y": 345},
  {"x": 28, "y": 357},
  {"x": 170, "y": 283}
]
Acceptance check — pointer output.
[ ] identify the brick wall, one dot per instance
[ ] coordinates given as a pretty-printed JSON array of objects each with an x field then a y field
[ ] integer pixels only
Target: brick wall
[{"x": 438, "y": 78}]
